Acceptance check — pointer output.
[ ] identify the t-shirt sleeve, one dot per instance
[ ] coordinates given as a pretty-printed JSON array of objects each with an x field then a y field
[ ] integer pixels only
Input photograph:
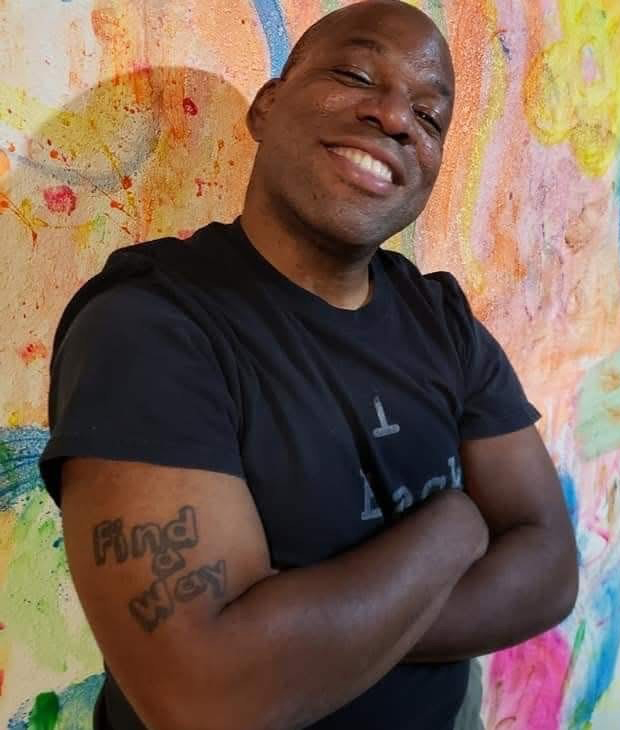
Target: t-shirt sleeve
[
  {"x": 136, "y": 379},
  {"x": 494, "y": 402}
]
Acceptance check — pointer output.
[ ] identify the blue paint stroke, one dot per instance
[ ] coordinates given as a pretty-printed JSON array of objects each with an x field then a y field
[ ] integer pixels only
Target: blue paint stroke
[
  {"x": 274, "y": 27},
  {"x": 605, "y": 616},
  {"x": 570, "y": 497},
  {"x": 20, "y": 449},
  {"x": 76, "y": 704}
]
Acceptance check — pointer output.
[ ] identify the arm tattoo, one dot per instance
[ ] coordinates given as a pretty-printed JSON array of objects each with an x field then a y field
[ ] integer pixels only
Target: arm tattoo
[{"x": 164, "y": 544}]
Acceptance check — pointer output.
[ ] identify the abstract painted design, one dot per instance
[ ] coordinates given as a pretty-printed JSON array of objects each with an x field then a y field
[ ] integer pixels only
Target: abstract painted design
[{"x": 123, "y": 120}]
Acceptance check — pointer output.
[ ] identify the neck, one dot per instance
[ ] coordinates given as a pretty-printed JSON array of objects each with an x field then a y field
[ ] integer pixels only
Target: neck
[{"x": 314, "y": 262}]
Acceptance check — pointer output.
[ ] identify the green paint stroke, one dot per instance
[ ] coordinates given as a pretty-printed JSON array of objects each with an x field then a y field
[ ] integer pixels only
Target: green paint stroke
[
  {"x": 598, "y": 409},
  {"x": 579, "y": 637},
  {"x": 32, "y": 603},
  {"x": 328, "y": 6},
  {"x": 44, "y": 712},
  {"x": 434, "y": 8}
]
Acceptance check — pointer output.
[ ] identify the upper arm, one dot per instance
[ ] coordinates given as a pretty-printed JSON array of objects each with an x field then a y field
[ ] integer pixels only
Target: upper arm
[
  {"x": 513, "y": 481},
  {"x": 156, "y": 552}
]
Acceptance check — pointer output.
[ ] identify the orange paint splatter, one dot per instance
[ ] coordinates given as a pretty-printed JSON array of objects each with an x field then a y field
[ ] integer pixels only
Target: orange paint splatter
[
  {"x": 117, "y": 205},
  {"x": 189, "y": 107},
  {"x": 60, "y": 199},
  {"x": 127, "y": 182},
  {"x": 54, "y": 154},
  {"x": 5, "y": 163},
  {"x": 32, "y": 351},
  {"x": 199, "y": 182}
]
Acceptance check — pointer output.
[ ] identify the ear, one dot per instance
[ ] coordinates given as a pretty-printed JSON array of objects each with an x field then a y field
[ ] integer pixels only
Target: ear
[{"x": 258, "y": 112}]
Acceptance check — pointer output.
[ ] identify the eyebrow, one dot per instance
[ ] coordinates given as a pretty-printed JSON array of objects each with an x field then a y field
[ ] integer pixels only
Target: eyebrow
[{"x": 374, "y": 45}]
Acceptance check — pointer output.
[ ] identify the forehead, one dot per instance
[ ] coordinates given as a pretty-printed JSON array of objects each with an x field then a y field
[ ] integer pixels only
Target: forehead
[{"x": 398, "y": 33}]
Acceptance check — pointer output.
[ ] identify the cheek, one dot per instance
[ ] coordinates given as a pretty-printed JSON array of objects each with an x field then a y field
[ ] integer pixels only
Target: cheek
[{"x": 430, "y": 152}]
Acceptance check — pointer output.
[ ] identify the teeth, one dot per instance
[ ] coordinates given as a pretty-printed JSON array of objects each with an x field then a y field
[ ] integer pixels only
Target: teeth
[{"x": 365, "y": 161}]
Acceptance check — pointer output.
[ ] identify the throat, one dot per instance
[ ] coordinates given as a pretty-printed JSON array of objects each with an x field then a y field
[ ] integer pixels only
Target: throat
[{"x": 314, "y": 266}]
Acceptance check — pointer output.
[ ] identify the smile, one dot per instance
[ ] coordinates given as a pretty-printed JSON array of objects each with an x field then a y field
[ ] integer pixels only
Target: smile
[{"x": 365, "y": 162}]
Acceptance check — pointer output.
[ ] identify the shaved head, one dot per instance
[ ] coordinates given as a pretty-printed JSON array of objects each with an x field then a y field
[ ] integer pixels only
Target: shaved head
[
  {"x": 351, "y": 134},
  {"x": 332, "y": 21}
]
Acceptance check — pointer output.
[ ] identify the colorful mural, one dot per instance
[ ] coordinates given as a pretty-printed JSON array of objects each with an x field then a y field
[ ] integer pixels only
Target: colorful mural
[{"x": 123, "y": 120}]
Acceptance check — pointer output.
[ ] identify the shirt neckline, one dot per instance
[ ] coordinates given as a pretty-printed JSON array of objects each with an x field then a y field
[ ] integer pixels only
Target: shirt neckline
[{"x": 305, "y": 302}]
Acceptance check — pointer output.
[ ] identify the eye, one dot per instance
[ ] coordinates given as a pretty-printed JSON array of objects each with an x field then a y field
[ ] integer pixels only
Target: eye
[
  {"x": 357, "y": 76},
  {"x": 429, "y": 119}
]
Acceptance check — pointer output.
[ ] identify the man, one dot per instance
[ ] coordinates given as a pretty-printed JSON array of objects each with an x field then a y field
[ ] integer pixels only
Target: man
[{"x": 300, "y": 482}]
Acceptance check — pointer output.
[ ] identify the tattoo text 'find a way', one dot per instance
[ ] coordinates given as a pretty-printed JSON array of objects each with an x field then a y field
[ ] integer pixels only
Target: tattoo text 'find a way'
[{"x": 164, "y": 545}]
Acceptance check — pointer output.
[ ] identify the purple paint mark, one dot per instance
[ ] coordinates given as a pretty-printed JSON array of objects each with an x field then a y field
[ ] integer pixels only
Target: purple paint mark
[{"x": 526, "y": 683}]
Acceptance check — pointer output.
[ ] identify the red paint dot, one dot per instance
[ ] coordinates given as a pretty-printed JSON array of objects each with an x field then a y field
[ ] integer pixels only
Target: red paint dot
[
  {"x": 32, "y": 351},
  {"x": 60, "y": 199},
  {"x": 127, "y": 183},
  {"x": 189, "y": 107},
  {"x": 54, "y": 154},
  {"x": 116, "y": 204}
]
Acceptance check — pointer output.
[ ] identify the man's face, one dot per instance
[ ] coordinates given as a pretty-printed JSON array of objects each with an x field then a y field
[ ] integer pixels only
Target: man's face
[{"x": 352, "y": 141}]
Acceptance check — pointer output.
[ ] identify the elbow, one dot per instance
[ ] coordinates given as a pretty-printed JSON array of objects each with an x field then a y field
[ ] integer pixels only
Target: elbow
[{"x": 565, "y": 586}]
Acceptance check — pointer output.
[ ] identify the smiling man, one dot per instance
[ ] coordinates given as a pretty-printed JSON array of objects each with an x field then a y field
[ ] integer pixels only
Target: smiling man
[{"x": 300, "y": 482}]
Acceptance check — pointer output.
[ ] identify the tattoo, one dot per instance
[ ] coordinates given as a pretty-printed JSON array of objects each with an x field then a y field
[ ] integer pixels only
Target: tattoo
[
  {"x": 110, "y": 534},
  {"x": 179, "y": 533},
  {"x": 164, "y": 544},
  {"x": 153, "y": 606},
  {"x": 157, "y": 603}
]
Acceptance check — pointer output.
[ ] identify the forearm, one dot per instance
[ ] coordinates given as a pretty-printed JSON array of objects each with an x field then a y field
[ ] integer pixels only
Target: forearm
[
  {"x": 522, "y": 587},
  {"x": 301, "y": 644}
]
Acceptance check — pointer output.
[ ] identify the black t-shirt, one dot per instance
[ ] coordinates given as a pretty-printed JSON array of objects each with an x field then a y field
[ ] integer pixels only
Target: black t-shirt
[{"x": 199, "y": 353}]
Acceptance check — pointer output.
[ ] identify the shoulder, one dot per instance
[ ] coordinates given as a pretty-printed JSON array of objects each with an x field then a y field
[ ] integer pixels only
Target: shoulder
[{"x": 439, "y": 288}]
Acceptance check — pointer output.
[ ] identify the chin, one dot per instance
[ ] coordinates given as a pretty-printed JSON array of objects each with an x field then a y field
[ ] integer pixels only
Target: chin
[{"x": 361, "y": 231}]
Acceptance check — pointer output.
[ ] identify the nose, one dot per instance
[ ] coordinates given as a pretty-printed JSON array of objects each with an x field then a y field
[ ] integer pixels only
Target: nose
[{"x": 389, "y": 111}]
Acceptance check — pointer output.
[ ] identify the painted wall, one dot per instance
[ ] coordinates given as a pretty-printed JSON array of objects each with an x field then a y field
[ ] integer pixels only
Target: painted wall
[{"x": 122, "y": 120}]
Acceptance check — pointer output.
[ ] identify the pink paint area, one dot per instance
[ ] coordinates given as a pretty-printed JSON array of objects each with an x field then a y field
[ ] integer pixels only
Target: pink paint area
[
  {"x": 185, "y": 233},
  {"x": 189, "y": 107},
  {"x": 589, "y": 67},
  {"x": 526, "y": 684},
  {"x": 60, "y": 199},
  {"x": 32, "y": 351}
]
